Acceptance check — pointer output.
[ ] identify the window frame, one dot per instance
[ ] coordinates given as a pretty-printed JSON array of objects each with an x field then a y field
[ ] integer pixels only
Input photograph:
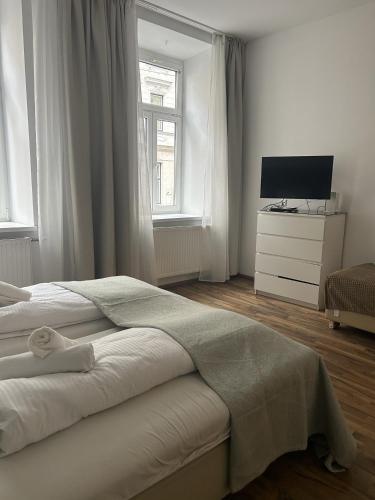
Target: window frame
[
  {"x": 158, "y": 179},
  {"x": 153, "y": 113}
]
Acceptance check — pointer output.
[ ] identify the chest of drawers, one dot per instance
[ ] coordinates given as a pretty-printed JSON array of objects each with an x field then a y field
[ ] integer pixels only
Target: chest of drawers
[{"x": 294, "y": 254}]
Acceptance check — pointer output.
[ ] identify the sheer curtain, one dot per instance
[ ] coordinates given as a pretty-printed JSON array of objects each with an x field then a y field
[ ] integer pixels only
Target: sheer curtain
[
  {"x": 94, "y": 205},
  {"x": 215, "y": 246},
  {"x": 3, "y": 167},
  {"x": 223, "y": 171},
  {"x": 55, "y": 234}
]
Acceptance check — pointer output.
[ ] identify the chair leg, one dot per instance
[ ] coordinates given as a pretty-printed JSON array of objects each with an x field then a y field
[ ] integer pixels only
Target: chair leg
[{"x": 333, "y": 325}]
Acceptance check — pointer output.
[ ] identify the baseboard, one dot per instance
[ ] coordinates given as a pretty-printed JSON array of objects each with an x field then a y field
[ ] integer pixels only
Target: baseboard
[
  {"x": 182, "y": 278},
  {"x": 245, "y": 276}
]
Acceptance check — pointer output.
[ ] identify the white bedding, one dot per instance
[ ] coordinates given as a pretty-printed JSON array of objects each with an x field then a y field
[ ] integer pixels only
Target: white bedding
[
  {"x": 49, "y": 305},
  {"x": 121, "y": 451},
  {"x": 127, "y": 363},
  {"x": 17, "y": 344}
]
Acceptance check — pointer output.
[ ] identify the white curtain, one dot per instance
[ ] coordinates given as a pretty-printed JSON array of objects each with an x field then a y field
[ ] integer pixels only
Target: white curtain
[
  {"x": 55, "y": 235},
  {"x": 94, "y": 202},
  {"x": 3, "y": 159},
  {"x": 214, "y": 257}
]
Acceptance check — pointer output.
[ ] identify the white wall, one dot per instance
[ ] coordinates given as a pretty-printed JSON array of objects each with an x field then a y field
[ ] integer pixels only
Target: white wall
[
  {"x": 195, "y": 119},
  {"x": 311, "y": 90},
  {"x": 15, "y": 111}
]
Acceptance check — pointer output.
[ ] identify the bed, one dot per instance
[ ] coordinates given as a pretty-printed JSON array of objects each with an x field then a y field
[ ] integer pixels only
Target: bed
[
  {"x": 174, "y": 440},
  {"x": 350, "y": 297},
  {"x": 186, "y": 443}
]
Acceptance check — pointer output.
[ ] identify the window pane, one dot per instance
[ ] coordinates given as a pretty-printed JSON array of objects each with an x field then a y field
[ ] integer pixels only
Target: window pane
[
  {"x": 156, "y": 99},
  {"x": 164, "y": 185},
  {"x": 158, "y": 85}
]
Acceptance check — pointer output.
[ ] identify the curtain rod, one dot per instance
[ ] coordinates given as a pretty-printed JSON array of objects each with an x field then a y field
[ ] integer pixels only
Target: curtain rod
[{"x": 179, "y": 17}]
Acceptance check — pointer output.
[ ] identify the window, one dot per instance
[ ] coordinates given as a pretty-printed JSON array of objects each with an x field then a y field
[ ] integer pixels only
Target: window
[{"x": 161, "y": 88}]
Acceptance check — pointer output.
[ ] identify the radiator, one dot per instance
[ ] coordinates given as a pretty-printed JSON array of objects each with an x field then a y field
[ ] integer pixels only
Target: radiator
[
  {"x": 15, "y": 261},
  {"x": 177, "y": 250}
]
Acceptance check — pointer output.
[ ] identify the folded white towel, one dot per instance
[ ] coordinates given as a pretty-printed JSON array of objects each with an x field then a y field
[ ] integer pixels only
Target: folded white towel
[
  {"x": 10, "y": 294},
  {"x": 45, "y": 340},
  {"x": 79, "y": 358}
]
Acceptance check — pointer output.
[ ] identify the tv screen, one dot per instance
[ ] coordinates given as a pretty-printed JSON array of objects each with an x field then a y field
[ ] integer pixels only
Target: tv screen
[{"x": 300, "y": 177}]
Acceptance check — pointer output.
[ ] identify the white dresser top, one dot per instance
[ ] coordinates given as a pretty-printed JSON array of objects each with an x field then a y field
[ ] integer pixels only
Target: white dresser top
[{"x": 301, "y": 214}]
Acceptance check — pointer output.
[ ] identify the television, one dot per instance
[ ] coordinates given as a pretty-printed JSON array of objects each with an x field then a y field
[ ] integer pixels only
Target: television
[{"x": 298, "y": 177}]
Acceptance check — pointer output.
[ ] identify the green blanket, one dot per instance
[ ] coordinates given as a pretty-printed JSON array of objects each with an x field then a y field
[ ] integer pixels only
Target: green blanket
[{"x": 278, "y": 391}]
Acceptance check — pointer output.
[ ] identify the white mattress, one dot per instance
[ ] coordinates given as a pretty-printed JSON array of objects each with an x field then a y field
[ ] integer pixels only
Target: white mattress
[{"x": 122, "y": 451}]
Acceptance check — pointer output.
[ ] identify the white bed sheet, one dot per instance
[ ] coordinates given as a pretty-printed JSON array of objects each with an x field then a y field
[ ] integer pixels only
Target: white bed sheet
[
  {"x": 50, "y": 305},
  {"x": 122, "y": 451}
]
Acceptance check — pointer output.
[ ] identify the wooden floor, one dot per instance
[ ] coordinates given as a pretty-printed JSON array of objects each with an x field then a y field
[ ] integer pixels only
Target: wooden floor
[{"x": 350, "y": 358}]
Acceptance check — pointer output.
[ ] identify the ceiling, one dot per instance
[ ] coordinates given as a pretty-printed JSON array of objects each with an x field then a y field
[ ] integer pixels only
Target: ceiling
[
  {"x": 168, "y": 42},
  {"x": 253, "y": 18}
]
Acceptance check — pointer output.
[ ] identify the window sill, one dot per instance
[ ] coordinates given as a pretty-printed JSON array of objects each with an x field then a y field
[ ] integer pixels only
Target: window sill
[
  {"x": 170, "y": 220},
  {"x": 16, "y": 227}
]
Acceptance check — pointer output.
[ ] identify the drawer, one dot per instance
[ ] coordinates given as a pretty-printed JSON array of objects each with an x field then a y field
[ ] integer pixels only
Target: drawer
[
  {"x": 290, "y": 247},
  {"x": 289, "y": 289},
  {"x": 288, "y": 268},
  {"x": 311, "y": 228}
]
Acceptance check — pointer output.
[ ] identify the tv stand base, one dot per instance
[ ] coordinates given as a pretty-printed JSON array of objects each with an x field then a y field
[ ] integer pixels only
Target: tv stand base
[{"x": 288, "y": 210}]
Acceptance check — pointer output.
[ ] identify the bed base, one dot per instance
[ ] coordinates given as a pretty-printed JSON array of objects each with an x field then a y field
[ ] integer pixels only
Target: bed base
[
  {"x": 361, "y": 321},
  {"x": 205, "y": 478}
]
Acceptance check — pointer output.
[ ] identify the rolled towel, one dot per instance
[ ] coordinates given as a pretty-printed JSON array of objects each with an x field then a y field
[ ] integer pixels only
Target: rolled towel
[
  {"x": 10, "y": 294},
  {"x": 6, "y": 301},
  {"x": 78, "y": 358},
  {"x": 46, "y": 340}
]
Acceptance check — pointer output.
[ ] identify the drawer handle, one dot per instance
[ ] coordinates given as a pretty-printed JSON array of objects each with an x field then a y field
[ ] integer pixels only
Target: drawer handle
[{"x": 298, "y": 281}]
